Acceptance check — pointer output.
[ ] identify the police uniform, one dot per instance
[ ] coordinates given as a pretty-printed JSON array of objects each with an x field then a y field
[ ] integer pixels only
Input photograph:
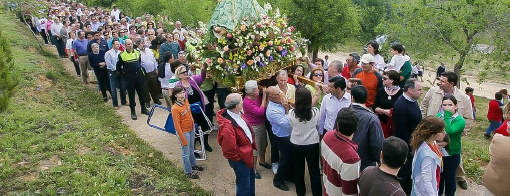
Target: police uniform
[{"x": 129, "y": 66}]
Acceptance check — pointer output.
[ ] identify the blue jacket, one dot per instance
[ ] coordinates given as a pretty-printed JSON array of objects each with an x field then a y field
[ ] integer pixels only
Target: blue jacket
[{"x": 368, "y": 136}]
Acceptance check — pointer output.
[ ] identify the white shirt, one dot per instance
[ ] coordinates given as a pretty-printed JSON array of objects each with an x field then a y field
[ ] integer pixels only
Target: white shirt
[
  {"x": 115, "y": 14},
  {"x": 397, "y": 61},
  {"x": 168, "y": 74},
  {"x": 181, "y": 33},
  {"x": 147, "y": 60},
  {"x": 330, "y": 107},
  {"x": 379, "y": 62},
  {"x": 42, "y": 23},
  {"x": 241, "y": 123},
  {"x": 69, "y": 46},
  {"x": 304, "y": 133},
  {"x": 111, "y": 57},
  {"x": 55, "y": 28}
]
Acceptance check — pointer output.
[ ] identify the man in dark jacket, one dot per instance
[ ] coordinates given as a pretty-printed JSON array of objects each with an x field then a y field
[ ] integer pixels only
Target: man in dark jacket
[
  {"x": 237, "y": 141},
  {"x": 369, "y": 135},
  {"x": 407, "y": 115}
]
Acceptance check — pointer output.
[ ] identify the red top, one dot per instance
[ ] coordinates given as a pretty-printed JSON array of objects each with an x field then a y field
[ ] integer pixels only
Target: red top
[
  {"x": 346, "y": 73},
  {"x": 502, "y": 129},
  {"x": 235, "y": 145},
  {"x": 494, "y": 113},
  {"x": 290, "y": 80},
  {"x": 472, "y": 97}
]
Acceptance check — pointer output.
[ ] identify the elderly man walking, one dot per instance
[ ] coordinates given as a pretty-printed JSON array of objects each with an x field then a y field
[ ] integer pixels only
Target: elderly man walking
[{"x": 237, "y": 141}]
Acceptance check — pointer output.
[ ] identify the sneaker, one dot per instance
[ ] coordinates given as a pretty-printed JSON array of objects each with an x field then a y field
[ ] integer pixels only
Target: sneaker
[
  {"x": 275, "y": 168},
  {"x": 265, "y": 165},
  {"x": 193, "y": 176},
  {"x": 198, "y": 168},
  {"x": 257, "y": 175},
  {"x": 487, "y": 136},
  {"x": 282, "y": 187}
]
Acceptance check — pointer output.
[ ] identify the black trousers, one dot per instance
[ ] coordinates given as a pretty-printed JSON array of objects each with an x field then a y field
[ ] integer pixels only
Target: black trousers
[
  {"x": 209, "y": 108},
  {"x": 151, "y": 87},
  {"x": 275, "y": 151},
  {"x": 285, "y": 166},
  {"x": 405, "y": 173},
  {"x": 134, "y": 81},
  {"x": 103, "y": 80},
  {"x": 311, "y": 154},
  {"x": 43, "y": 35},
  {"x": 76, "y": 65}
]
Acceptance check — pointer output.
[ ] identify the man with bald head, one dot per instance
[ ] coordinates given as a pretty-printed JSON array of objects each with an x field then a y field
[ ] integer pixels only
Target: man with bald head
[
  {"x": 237, "y": 141},
  {"x": 180, "y": 30},
  {"x": 128, "y": 65},
  {"x": 276, "y": 114},
  {"x": 285, "y": 88}
]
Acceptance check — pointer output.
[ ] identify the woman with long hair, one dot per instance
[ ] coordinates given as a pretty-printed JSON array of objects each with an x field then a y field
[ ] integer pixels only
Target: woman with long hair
[
  {"x": 385, "y": 99},
  {"x": 305, "y": 138},
  {"x": 427, "y": 159},
  {"x": 455, "y": 124}
]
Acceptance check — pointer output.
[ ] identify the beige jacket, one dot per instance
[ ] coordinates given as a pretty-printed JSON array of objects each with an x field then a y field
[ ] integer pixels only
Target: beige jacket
[
  {"x": 431, "y": 104},
  {"x": 497, "y": 173}
]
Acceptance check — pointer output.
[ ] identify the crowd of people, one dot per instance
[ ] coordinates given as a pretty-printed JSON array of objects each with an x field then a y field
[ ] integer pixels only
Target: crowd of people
[{"x": 357, "y": 125}]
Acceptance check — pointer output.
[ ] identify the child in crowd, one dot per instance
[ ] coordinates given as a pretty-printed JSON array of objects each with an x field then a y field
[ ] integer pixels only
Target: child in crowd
[
  {"x": 469, "y": 92},
  {"x": 455, "y": 125},
  {"x": 494, "y": 114},
  {"x": 504, "y": 129},
  {"x": 184, "y": 127}
]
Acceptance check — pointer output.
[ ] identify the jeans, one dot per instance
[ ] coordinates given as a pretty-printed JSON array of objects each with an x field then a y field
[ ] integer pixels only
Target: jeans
[
  {"x": 492, "y": 126},
  {"x": 116, "y": 81},
  {"x": 245, "y": 178},
  {"x": 188, "y": 158},
  {"x": 310, "y": 153},
  {"x": 285, "y": 166},
  {"x": 448, "y": 180}
]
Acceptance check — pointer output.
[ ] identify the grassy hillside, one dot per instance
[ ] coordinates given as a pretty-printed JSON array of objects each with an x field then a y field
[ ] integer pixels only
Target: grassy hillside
[{"x": 57, "y": 136}]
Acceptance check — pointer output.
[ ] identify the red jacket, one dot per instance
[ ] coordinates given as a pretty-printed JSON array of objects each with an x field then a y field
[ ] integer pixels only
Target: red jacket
[
  {"x": 234, "y": 143},
  {"x": 494, "y": 113}
]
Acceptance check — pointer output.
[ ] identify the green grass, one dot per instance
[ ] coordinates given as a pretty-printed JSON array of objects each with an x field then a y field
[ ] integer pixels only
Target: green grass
[
  {"x": 61, "y": 139},
  {"x": 475, "y": 148}
]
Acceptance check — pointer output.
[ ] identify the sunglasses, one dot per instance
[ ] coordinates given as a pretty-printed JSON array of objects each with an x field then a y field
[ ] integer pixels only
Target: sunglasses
[
  {"x": 318, "y": 75},
  {"x": 385, "y": 78}
]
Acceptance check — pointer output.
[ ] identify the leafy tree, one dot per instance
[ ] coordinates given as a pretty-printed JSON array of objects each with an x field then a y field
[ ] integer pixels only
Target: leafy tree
[
  {"x": 431, "y": 27},
  {"x": 326, "y": 23},
  {"x": 371, "y": 13},
  {"x": 8, "y": 80}
]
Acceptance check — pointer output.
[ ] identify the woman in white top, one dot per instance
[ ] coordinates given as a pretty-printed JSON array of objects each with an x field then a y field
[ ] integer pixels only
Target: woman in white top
[
  {"x": 305, "y": 138},
  {"x": 69, "y": 49},
  {"x": 373, "y": 49}
]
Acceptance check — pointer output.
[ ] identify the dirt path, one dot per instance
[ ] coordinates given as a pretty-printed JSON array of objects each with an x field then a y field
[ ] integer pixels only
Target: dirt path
[{"x": 217, "y": 177}]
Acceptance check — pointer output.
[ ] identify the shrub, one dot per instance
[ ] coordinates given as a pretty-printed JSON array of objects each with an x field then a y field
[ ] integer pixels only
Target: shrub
[{"x": 8, "y": 80}]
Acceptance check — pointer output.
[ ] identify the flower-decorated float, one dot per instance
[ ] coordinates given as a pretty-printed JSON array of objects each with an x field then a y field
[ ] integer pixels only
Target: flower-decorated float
[{"x": 244, "y": 41}]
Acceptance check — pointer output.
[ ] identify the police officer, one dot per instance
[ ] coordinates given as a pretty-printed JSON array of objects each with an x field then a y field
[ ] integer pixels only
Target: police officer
[{"x": 129, "y": 66}]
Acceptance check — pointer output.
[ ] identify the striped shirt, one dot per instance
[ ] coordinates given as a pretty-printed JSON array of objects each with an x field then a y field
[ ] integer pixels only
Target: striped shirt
[{"x": 341, "y": 164}]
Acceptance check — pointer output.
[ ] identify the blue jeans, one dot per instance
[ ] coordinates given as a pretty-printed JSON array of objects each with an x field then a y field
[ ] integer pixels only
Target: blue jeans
[
  {"x": 245, "y": 178},
  {"x": 492, "y": 126},
  {"x": 448, "y": 180},
  {"x": 188, "y": 158},
  {"x": 117, "y": 81}
]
